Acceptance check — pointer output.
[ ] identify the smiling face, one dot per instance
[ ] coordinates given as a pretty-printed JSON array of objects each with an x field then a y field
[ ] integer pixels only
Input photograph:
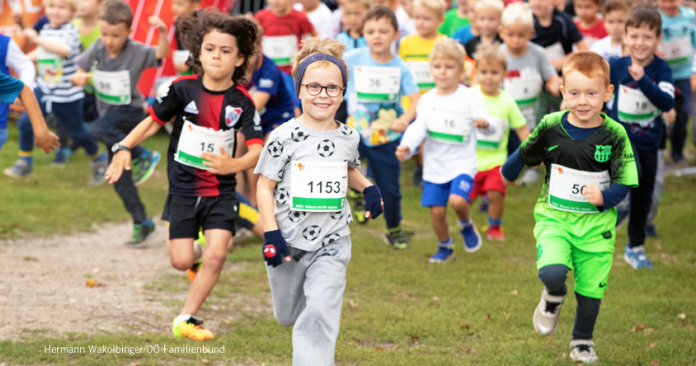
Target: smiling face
[
  {"x": 379, "y": 34},
  {"x": 669, "y": 7},
  {"x": 585, "y": 96},
  {"x": 321, "y": 107},
  {"x": 489, "y": 74},
  {"x": 58, "y": 13},
  {"x": 219, "y": 55},
  {"x": 642, "y": 42}
]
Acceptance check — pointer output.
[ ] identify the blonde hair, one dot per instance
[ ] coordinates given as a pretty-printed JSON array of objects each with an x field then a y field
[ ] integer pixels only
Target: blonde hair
[
  {"x": 326, "y": 46},
  {"x": 73, "y": 4},
  {"x": 589, "y": 64},
  {"x": 438, "y": 6},
  {"x": 491, "y": 53},
  {"x": 496, "y": 5},
  {"x": 518, "y": 13},
  {"x": 449, "y": 48},
  {"x": 366, "y": 3}
]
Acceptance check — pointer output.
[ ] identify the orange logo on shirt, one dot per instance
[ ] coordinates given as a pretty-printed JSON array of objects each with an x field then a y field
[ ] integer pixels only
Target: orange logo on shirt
[
  {"x": 560, "y": 170},
  {"x": 190, "y": 128},
  {"x": 299, "y": 165}
]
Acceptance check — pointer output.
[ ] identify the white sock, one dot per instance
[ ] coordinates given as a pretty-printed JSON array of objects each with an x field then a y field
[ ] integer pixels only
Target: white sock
[
  {"x": 197, "y": 251},
  {"x": 183, "y": 317},
  {"x": 640, "y": 248}
]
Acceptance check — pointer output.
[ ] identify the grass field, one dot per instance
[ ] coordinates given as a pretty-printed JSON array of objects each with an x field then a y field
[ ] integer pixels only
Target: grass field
[{"x": 398, "y": 308}]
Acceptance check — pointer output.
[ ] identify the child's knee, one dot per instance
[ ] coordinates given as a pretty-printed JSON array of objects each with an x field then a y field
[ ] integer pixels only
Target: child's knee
[
  {"x": 458, "y": 202},
  {"x": 438, "y": 212},
  {"x": 554, "y": 275},
  {"x": 181, "y": 263},
  {"x": 285, "y": 318}
]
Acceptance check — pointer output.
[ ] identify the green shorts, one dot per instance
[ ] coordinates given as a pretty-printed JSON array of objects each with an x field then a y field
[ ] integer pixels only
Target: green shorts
[{"x": 557, "y": 244}]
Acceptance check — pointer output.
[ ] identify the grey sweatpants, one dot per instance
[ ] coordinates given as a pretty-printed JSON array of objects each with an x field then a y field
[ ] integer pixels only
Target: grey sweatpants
[{"x": 308, "y": 293}]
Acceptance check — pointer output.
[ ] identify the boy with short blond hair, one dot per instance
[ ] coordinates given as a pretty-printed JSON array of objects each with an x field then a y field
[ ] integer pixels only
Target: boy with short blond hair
[
  {"x": 487, "y": 14},
  {"x": 614, "y": 18},
  {"x": 589, "y": 24},
  {"x": 590, "y": 168}
]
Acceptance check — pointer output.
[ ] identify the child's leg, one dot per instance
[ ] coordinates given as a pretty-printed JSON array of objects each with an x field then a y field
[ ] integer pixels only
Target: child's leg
[
  {"x": 591, "y": 275},
  {"x": 438, "y": 216},
  {"x": 287, "y": 281},
  {"x": 678, "y": 135},
  {"x": 213, "y": 261},
  {"x": 387, "y": 169},
  {"x": 459, "y": 196},
  {"x": 496, "y": 202},
  {"x": 641, "y": 197},
  {"x": 26, "y": 132},
  {"x": 71, "y": 118},
  {"x": 316, "y": 329},
  {"x": 3, "y": 136},
  {"x": 115, "y": 125},
  {"x": 125, "y": 188},
  {"x": 657, "y": 191}
]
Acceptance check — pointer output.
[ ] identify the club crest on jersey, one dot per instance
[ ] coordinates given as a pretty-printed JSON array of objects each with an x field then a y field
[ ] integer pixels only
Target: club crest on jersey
[
  {"x": 232, "y": 115},
  {"x": 602, "y": 153}
]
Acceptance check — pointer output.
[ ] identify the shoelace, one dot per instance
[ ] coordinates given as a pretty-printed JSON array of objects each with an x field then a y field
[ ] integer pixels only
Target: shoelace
[
  {"x": 551, "y": 306},
  {"x": 583, "y": 347}
]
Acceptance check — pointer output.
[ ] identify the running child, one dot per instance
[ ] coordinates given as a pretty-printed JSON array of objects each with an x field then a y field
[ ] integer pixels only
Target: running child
[
  {"x": 353, "y": 14},
  {"x": 320, "y": 16},
  {"x": 283, "y": 29},
  {"x": 306, "y": 170},
  {"x": 208, "y": 110},
  {"x": 614, "y": 17},
  {"x": 379, "y": 80},
  {"x": 455, "y": 19},
  {"x": 589, "y": 24},
  {"x": 449, "y": 118},
  {"x": 487, "y": 13},
  {"x": 643, "y": 89},
  {"x": 58, "y": 48},
  {"x": 492, "y": 150},
  {"x": 590, "y": 168},
  {"x": 11, "y": 56},
  {"x": 181, "y": 8},
  {"x": 115, "y": 64}
]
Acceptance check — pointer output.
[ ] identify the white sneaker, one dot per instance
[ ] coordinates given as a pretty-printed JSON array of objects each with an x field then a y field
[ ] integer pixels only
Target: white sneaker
[
  {"x": 547, "y": 313},
  {"x": 529, "y": 177},
  {"x": 583, "y": 351}
]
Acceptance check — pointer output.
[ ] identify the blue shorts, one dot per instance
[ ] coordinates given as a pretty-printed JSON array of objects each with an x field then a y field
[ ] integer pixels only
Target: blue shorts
[{"x": 438, "y": 194}]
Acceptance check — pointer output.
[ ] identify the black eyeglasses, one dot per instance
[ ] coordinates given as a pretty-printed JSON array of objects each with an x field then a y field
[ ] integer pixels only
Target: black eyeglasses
[{"x": 331, "y": 90}]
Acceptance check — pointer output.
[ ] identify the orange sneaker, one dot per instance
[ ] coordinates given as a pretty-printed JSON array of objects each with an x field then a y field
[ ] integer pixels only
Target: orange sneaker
[
  {"x": 191, "y": 328},
  {"x": 495, "y": 233}
]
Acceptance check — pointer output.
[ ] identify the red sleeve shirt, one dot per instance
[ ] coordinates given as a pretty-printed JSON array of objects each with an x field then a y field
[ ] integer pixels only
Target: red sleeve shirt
[
  {"x": 296, "y": 23},
  {"x": 593, "y": 34}
]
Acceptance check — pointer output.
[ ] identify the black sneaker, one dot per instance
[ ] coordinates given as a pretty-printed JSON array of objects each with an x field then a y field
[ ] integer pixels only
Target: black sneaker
[
  {"x": 397, "y": 239},
  {"x": 358, "y": 206},
  {"x": 141, "y": 232}
]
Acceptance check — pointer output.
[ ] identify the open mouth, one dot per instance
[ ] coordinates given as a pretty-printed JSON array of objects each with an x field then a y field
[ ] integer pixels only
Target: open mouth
[{"x": 322, "y": 105}]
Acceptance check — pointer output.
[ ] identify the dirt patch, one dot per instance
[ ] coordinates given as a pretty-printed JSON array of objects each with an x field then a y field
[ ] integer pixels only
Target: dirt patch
[{"x": 44, "y": 290}]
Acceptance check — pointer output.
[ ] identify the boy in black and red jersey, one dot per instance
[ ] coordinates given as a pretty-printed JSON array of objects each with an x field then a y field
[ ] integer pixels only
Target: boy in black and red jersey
[{"x": 208, "y": 109}]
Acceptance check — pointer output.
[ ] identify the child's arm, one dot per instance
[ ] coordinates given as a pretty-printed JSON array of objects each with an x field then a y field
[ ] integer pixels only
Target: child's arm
[
  {"x": 412, "y": 139},
  {"x": 122, "y": 159},
  {"x": 225, "y": 164},
  {"x": 21, "y": 64},
  {"x": 80, "y": 77},
  {"x": 523, "y": 133},
  {"x": 260, "y": 99},
  {"x": 273, "y": 238},
  {"x": 45, "y": 139},
  {"x": 401, "y": 123},
  {"x": 582, "y": 46},
  {"x": 50, "y": 46},
  {"x": 163, "y": 46},
  {"x": 553, "y": 85},
  {"x": 662, "y": 94}
]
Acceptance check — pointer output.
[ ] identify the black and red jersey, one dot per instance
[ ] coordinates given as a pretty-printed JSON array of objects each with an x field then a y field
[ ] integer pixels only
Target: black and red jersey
[{"x": 231, "y": 109}]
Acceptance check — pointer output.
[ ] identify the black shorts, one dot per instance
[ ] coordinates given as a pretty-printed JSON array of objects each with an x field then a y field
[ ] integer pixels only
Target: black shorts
[{"x": 188, "y": 215}]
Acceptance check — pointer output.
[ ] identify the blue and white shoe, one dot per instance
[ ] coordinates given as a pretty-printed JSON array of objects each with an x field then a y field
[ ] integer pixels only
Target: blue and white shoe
[
  {"x": 472, "y": 238},
  {"x": 637, "y": 258},
  {"x": 62, "y": 157},
  {"x": 20, "y": 170},
  {"x": 444, "y": 253},
  {"x": 622, "y": 212}
]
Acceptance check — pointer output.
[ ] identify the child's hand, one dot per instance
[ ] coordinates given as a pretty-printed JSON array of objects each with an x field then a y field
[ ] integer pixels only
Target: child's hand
[
  {"x": 670, "y": 116},
  {"x": 30, "y": 34},
  {"x": 47, "y": 141},
  {"x": 221, "y": 164},
  {"x": 594, "y": 195},
  {"x": 481, "y": 123},
  {"x": 120, "y": 161},
  {"x": 79, "y": 78},
  {"x": 402, "y": 151},
  {"x": 399, "y": 125},
  {"x": 636, "y": 71},
  {"x": 374, "y": 205},
  {"x": 156, "y": 22}
]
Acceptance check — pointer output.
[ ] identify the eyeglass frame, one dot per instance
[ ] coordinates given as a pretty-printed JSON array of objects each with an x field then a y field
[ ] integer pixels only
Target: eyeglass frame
[{"x": 323, "y": 88}]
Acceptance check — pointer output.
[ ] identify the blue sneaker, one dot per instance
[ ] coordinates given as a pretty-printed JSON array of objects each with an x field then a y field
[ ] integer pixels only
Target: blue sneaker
[
  {"x": 20, "y": 170},
  {"x": 637, "y": 258},
  {"x": 62, "y": 157},
  {"x": 472, "y": 238},
  {"x": 444, "y": 253},
  {"x": 650, "y": 231},
  {"x": 622, "y": 212},
  {"x": 146, "y": 167}
]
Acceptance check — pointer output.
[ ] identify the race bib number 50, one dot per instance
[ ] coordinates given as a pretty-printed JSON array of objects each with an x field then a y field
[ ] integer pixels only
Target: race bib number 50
[
  {"x": 318, "y": 186},
  {"x": 566, "y": 187},
  {"x": 196, "y": 140}
]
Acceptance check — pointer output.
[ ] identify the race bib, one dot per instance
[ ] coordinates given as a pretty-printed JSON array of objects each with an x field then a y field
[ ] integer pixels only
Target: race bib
[
  {"x": 634, "y": 106},
  {"x": 566, "y": 186},
  {"x": 50, "y": 66},
  {"x": 280, "y": 49},
  {"x": 421, "y": 74},
  {"x": 113, "y": 87},
  {"x": 493, "y": 141},
  {"x": 555, "y": 51},
  {"x": 180, "y": 56},
  {"x": 318, "y": 186},
  {"x": 449, "y": 127},
  {"x": 376, "y": 84},
  {"x": 195, "y": 140},
  {"x": 677, "y": 51},
  {"x": 525, "y": 92}
]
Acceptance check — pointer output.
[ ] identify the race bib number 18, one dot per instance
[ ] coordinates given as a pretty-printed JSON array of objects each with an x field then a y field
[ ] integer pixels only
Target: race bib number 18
[
  {"x": 196, "y": 140},
  {"x": 318, "y": 186}
]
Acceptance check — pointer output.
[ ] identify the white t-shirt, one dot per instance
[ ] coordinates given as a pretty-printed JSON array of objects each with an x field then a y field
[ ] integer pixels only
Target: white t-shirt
[
  {"x": 604, "y": 48},
  {"x": 442, "y": 162},
  {"x": 406, "y": 24},
  {"x": 322, "y": 19}
]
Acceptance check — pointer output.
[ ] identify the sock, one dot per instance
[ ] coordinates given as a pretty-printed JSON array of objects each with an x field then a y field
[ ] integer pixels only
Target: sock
[
  {"x": 183, "y": 317},
  {"x": 637, "y": 248},
  {"x": 492, "y": 222},
  {"x": 148, "y": 222},
  {"x": 465, "y": 224},
  {"x": 585, "y": 316},
  {"x": 394, "y": 230},
  {"x": 26, "y": 156},
  {"x": 197, "y": 251},
  {"x": 445, "y": 244}
]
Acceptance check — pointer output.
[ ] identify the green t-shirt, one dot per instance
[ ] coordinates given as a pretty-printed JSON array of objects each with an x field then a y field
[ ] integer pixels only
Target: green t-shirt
[
  {"x": 88, "y": 39},
  {"x": 452, "y": 23},
  {"x": 491, "y": 151}
]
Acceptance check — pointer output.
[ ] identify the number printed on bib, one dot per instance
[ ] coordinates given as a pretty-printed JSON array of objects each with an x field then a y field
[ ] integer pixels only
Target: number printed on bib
[
  {"x": 566, "y": 186},
  {"x": 635, "y": 107},
  {"x": 280, "y": 49},
  {"x": 555, "y": 51},
  {"x": 113, "y": 87},
  {"x": 180, "y": 56},
  {"x": 196, "y": 140},
  {"x": 449, "y": 127},
  {"x": 421, "y": 74},
  {"x": 318, "y": 186},
  {"x": 376, "y": 84},
  {"x": 677, "y": 51},
  {"x": 50, "y": 65},
  {"x": 492, "y": 141}
]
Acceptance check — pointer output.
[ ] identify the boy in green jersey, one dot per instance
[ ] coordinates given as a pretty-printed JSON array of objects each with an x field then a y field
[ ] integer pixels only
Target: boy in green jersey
[{"x": 589, "y": 169}]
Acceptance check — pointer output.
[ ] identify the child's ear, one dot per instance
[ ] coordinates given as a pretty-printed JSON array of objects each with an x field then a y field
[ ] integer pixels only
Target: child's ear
[
  {"x": 562, "y": 89},
  {"x": 610, "y": 92}
]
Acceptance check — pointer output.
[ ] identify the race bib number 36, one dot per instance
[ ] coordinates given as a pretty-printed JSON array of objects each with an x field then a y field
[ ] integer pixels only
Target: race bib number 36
[
  {"x": 318, "y": 186},
  {"x": 375, "y": 84},
  {"x": 113, "y": 87},
  {"x": 196, "y": 140},
  {"x": 566, "y": 187}
]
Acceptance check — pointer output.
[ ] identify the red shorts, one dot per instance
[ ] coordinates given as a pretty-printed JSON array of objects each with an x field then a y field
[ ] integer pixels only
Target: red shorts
[{"x": 489, "y": 180}]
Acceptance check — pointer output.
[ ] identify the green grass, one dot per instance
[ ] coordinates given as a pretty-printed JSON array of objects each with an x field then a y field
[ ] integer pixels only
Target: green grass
[{"x": 398, "y": 308}]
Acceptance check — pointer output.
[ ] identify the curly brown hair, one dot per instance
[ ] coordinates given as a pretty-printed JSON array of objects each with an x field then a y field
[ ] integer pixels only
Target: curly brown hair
[{"x": 195, "y": 26}]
